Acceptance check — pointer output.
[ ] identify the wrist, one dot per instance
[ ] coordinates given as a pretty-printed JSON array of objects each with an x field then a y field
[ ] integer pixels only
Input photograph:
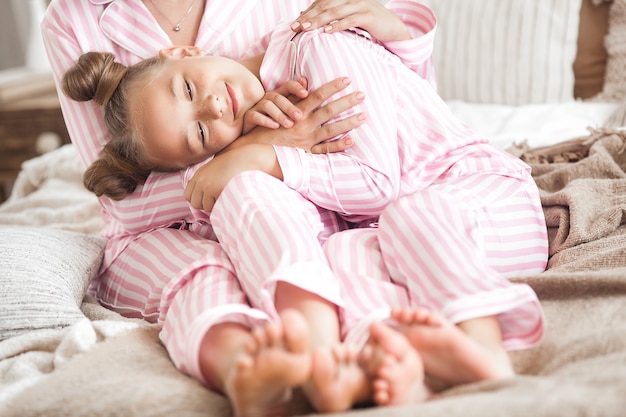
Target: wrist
[{"x": 262, "y": 157}]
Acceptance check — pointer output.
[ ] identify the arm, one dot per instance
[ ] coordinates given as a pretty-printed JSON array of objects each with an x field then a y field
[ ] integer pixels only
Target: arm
[
  {"x": 406, "y": 27},
  {"x": 83, "y": 119},
  {"x": 205, "y": 185},
  {"x": 160, "y": 200},
  {"x": 206, "y": 180},
  {"x": 358, "y": 182}
]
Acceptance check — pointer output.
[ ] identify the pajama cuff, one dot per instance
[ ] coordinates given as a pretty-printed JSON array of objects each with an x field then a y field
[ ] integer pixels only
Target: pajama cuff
[
  {"x": 235, "y": 313},
  {"x": 516, "y": 307}
]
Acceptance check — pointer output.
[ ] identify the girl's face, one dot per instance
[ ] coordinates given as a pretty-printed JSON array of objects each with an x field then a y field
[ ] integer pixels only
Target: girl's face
[{"x": 193, "y": 107}]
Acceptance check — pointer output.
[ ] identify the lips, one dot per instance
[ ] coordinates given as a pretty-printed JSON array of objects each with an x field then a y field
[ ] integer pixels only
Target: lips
[{"x": 233, "y": 101}]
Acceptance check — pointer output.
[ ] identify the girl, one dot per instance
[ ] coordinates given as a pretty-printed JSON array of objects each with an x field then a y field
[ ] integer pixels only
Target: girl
[{"x": 407, "y": 180}]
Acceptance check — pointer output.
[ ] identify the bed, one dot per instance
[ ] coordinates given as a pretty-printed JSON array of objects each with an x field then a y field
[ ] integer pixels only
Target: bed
[{"x": 543, "y": 79}]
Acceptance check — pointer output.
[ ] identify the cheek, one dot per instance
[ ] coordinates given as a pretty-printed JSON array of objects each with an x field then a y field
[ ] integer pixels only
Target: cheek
[{"x": 225, "y": 134}]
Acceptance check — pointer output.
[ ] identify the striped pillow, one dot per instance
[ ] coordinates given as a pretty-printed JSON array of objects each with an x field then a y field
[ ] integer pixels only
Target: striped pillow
[{"x": 510, "y": 52}]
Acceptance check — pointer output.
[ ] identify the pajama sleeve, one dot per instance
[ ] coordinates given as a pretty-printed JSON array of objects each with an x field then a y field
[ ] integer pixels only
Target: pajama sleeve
[
  {"x": 416, "y": 53},
  {"x": 361, "y": 181}
]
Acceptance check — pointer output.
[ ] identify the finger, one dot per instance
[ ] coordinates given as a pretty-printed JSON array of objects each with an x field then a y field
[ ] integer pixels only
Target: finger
[
  {"x": 339, "y": 145},
  {"x": 320, "y": 13},
  {"x": 334, "y": 129},
  {"x": 276, "y": 110},
  {"x": 259, "y": 119},
  {"x": 188, "y": 193},
  {"x": 335, "y": 15},
  {"x": 321, "y": 94},
  {"x": 343, "y": 23},
  {"x": 335, "y": 107},
  {"x": 207, "y": 203},
  {"x": 304, "y": 82},
  {"x": 293, "y": 87},
  {"x": 194, "y": 196},
  {"x": 282, "y": 108}
]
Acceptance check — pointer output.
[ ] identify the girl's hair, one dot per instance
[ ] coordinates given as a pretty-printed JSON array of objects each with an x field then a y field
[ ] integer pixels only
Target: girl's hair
[{"x": 122, "y": 164}]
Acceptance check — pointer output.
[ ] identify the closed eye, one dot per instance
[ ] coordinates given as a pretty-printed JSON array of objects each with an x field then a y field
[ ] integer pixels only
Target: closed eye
[
  {"x": 201, "y": 133},
  {"x": 188, "y": 88},
  {"x": 200, "y": 128}
]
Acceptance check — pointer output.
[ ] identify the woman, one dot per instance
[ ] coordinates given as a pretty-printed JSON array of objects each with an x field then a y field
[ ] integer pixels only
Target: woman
[
  {"x": 411, "y": 163},
  {"x": 158, "y": 259}
]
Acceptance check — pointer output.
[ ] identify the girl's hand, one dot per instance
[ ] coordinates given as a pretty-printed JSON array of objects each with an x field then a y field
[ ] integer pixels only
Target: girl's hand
[
  {"x": 277, "y": 107},
  {"x": 209, "y": 181},
  {"x": 336, "y": 15},
  {"x": 311, "y": 132}
]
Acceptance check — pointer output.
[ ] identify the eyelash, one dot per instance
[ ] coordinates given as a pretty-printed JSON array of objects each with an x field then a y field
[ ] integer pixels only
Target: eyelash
[{"x": 200, "y": 129}]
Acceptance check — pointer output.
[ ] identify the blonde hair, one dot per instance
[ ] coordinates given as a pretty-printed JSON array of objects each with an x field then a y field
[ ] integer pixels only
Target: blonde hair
[{"x": 122, "y": 164}]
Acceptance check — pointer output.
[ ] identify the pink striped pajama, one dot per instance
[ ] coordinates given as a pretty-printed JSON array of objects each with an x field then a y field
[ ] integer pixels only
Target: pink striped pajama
[
  {"x": 457, "y": 216},
  {"x": 176, "y": 276}
]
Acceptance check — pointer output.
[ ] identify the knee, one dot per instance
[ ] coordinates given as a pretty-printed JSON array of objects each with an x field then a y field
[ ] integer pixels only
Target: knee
[{"x": 427, "y": 210}]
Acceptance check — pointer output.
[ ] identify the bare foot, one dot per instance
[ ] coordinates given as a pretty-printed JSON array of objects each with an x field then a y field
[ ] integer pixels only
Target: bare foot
[
  {"x": 396, "y": 366},
  {"x": 277, "y": 360},
  {"x": 337, "y": 381},
  {"x": 449, "y": 354}
]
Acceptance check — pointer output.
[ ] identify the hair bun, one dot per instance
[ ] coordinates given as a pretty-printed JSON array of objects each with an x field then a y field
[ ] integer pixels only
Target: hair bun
[{"x": 95, "y": 76}]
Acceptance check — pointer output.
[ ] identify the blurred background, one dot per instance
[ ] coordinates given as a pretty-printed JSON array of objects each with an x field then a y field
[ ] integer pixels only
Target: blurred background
[{"x": 18, "y": 31}]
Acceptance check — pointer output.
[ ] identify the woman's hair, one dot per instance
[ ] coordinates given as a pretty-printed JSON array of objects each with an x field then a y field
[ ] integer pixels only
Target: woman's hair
[{"x": 122, "y": 164}]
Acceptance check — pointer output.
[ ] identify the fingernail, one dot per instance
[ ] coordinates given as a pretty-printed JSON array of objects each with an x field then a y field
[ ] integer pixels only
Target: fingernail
[
  {"x": 306, "y": 25},
  {"x": 288, "y": 123},
  {"x": 295, "y": 25},
  {"x": 360, "y": 96},
  {"x": 349, "y": 141},
  {"x": 328, "y": 28},
  {"x": 361, "y": 116},
  {"x": 346, "y": 80}
]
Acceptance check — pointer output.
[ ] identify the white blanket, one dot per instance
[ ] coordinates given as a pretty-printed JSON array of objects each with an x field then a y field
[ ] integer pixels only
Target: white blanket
[
  {"x": 49, "y": 192},
  {"x": 25, "y": 360}
]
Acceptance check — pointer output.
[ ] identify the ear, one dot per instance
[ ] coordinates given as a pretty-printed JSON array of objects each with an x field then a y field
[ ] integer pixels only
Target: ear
[{"x": 180, "y": 52}]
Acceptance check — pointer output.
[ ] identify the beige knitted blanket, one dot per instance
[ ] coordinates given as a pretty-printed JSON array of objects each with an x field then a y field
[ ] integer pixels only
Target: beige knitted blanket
[{"x": 578, "y": 369}]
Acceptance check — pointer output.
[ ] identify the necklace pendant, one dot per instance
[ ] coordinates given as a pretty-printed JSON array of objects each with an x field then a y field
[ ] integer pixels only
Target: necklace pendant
[{"x": 177, "y": 28}]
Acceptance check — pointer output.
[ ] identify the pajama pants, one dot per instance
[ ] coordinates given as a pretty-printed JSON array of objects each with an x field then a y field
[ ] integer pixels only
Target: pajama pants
[
  {"x": 442, "y": 248},
  {"x": 182, "y": 280},
  {"x": 449, "y": 248},
  {"x": 451, "y": 252}
]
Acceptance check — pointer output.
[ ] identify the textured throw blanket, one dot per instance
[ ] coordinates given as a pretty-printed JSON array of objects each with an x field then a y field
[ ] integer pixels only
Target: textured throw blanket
[
  {"x": 578, "y": 369},
  {"x": 584, "y": 201}
]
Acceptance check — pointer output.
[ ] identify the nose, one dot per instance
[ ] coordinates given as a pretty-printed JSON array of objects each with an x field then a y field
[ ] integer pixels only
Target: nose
[{"x": 211, "y": 108}]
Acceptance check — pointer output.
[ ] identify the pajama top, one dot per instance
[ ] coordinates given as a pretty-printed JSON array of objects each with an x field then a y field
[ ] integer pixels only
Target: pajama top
[
  {"x": 410, "y": 137},
  {"x": 128, "y": 30}
]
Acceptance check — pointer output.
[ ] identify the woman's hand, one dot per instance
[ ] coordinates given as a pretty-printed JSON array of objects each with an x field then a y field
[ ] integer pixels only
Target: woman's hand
[
  {"x": 277, "y": 108},
  {"x": 336, "y": 15},
  {"x": 311, "y": 131}
]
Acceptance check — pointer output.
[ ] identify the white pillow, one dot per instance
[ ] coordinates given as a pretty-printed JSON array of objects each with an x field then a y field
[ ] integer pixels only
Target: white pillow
[
  {"x": 506, "y": 52},
  {"x": 44, "y": 274}
]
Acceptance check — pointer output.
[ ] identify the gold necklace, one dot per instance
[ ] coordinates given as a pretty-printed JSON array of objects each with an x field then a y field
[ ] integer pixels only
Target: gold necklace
[{"x": 176, "y": 27}]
